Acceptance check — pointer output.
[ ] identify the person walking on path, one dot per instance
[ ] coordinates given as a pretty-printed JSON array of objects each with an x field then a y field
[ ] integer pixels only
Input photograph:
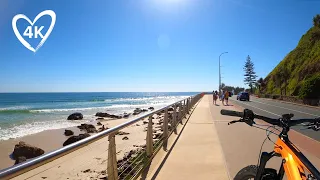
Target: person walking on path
[
  {"x": 215, "y": 97},
  {"x": 226, "y": 97},
  {"x": 222, "y": 97}
]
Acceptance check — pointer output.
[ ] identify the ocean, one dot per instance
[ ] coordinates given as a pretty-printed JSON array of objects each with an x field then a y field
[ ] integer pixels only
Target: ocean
[{"x": 23, "y": 114}]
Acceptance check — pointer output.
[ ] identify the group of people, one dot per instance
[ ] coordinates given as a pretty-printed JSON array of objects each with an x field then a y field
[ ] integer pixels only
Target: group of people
[{"x": 224, "y": 96}]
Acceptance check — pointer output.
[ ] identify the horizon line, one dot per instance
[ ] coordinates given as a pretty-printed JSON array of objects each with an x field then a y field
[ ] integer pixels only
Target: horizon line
[{"x": 108, "y": 92}]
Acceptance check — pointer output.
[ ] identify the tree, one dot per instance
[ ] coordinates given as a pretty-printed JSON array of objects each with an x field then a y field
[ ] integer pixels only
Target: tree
[
  {"x": 277, "y": 81},
  {"x": 284, "y": 75},
  {"x": 222, "y": 85},
  {"x": 250, "y": 74},
  {"x": 232, "y": 88},
  {"x": 310, "y": 88},
  {"x": 316, "y": 20},
  {"x": 260, "y": 83}
]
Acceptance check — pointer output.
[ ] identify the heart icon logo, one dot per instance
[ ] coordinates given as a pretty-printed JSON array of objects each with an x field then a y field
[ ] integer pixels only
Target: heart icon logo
[{"x": 22, "y": 16}]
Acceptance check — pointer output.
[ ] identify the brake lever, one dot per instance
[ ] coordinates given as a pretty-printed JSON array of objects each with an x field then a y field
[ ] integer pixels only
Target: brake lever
[
  {"x": 235, "y": 121},
  {"x": 314, "y": 126},
  {"x": 232, "y": 122}
]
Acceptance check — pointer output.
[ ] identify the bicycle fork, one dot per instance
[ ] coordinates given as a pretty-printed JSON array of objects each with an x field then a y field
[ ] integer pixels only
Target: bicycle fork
[{"x": 265, "y": 157}]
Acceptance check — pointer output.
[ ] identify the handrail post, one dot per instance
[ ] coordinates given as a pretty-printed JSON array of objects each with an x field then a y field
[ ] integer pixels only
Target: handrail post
[
  {"x": 187, "y": 106},
  {"x": 165, "y": 129},
  {"x": 184, "y": 108},
  {"x": 180, "y": 112},
  {"x": 149, "y": 139},
  {"x": 192, "y": 99},
  {"x": 112, "y": 168},
  {"x": 174, "y": 118}
]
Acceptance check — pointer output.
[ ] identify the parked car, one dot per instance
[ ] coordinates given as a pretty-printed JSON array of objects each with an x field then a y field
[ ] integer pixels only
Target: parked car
[{"x": 243, "y": 96}]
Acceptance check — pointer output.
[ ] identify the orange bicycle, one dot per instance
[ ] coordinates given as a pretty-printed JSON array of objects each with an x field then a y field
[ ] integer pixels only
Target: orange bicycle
[{"x": 294, "y": 164}]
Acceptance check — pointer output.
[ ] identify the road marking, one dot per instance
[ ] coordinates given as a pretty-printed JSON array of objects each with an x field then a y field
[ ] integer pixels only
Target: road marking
[
  {"x": 259, "y": 109},
  {"x": 287, "y": 109},
  {"x": 266, "y": 111},
  {"x": 296, "y": 131}
]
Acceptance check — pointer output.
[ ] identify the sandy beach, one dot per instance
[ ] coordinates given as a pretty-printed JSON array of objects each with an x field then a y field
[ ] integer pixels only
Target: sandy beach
[{"x": 51, "y": 140}]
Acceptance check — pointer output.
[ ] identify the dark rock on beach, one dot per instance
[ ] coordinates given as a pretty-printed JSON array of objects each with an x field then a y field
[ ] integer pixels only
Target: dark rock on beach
[
  {"x": 88, "y": 127},
  {"x": 170, "y": 109},
  {"x": 75, "y": 116},
  {"x": 122, "y": 133},
  {"x": 68, "y": 132},
  {"x": 151, "y": 108},
  {"x": 20, "y": 160},
  {"x": 73, "y": 139},
  {"x": 99, "y": 124},
  {"x": 125, "y": 138},
  {"x": 126, "y": 115},
  {"x": 137, "y": 111},
  {"x": 25, "y": 150},
  {"x": 102, "y": 128},
  {"x": 101, "y": 114}
]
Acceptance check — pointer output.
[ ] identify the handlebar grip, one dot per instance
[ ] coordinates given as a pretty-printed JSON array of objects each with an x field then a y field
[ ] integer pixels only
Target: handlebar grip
[{"x": 231, "y": 113}]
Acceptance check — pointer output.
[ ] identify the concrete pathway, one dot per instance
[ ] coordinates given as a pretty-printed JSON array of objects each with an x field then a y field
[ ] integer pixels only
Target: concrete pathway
[{"x": 197, "y": 153}]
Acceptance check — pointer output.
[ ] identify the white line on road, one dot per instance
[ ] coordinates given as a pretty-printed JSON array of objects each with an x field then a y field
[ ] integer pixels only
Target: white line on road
[
  {"x": 260, "y": 109},
  {"x": 277, "y": 115},
  {"x": 287, "y": 108},
  {"x": 264, "y": 110}
]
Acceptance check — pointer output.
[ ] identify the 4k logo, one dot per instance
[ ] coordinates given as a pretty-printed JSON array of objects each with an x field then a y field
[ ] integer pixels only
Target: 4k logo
[
  {"x": 28, "y": 32},
  {"x": 33, "y": 31}
]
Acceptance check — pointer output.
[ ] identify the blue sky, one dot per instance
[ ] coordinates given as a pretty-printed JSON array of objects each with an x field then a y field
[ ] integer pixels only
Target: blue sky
[{"x": 148, "y": 45}]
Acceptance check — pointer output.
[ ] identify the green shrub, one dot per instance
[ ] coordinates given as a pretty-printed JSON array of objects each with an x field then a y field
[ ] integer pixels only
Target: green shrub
[{"x": 310, "y": 88}]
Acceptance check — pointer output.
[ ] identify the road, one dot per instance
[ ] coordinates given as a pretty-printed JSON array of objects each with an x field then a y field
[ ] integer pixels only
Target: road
[{"x": 275, "y": 109}]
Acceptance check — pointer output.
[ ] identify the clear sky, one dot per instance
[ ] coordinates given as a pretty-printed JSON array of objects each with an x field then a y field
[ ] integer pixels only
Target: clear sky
[{"x": 148, "y": 45}]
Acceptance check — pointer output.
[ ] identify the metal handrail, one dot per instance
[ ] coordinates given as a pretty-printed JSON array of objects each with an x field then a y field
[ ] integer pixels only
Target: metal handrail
[{"x": 21, "y": 168}]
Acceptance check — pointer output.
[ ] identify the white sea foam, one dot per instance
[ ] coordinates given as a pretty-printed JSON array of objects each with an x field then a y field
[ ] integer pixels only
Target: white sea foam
[
  {"x": 14, "y": 108},
  {"x": 150, "y": 101},
  {"x": 35, "y": 127},
  {"x": 28, "y": 128}
]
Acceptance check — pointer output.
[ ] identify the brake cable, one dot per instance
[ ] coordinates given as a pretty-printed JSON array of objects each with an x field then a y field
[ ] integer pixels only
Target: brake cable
[{"x": 267, "y": 131}]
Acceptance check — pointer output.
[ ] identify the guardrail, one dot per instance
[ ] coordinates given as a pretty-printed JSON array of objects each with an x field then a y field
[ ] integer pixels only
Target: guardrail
[{"x": 169, "y": 125}]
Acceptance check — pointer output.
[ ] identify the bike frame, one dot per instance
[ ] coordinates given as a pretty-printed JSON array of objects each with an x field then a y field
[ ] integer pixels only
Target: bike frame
[{"x": 294, "y": 163}]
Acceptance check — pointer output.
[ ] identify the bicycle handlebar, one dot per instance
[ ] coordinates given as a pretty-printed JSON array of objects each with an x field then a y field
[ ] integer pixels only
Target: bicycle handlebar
[
  {"x": 231, "y": 113},
  {"x": 247, "y": 115}
]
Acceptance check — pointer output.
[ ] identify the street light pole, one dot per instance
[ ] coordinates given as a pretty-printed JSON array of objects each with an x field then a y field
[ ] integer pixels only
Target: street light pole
[{"x": 220, "y": 73}]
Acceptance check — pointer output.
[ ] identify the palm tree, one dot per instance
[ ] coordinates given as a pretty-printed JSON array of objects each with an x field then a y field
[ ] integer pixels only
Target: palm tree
[{"x": 316, "y": 20}]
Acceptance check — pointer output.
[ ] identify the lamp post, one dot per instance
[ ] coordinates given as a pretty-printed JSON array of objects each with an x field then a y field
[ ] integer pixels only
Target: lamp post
[{"x": 220, "y": 73}]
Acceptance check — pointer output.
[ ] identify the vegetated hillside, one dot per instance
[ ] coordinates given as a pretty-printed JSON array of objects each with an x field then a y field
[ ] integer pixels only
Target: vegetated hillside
[{"x": 298, "y": 74}]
